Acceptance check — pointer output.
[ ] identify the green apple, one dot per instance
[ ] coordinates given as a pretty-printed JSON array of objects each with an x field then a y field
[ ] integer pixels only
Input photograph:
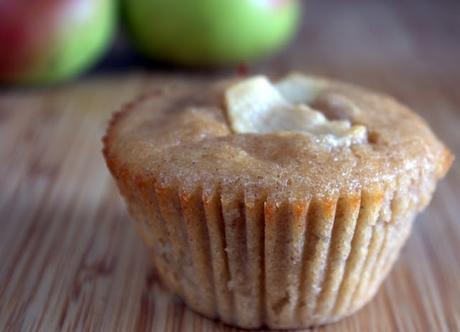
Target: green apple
[
  {"x": 210, "y": 32},
  {"x": 45, "y": 41}
]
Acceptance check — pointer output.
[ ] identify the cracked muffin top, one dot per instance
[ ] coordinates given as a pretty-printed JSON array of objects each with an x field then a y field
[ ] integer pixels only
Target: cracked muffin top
[{"x": 298, "y": 137}]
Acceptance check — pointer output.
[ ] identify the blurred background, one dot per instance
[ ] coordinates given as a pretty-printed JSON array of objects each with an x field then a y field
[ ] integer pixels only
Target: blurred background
[
  {"x": 69, "y": 257},
  {"x": 363, "y": 35},
  {"x": 53, "y": 41}
]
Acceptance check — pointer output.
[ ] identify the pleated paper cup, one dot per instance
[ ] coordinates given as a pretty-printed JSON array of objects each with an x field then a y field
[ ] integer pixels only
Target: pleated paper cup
[{"x": 253, "y": 259}]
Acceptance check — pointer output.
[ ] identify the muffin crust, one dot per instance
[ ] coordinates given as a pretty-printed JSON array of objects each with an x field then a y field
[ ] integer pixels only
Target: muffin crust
[{"x": 181, "y": 135}]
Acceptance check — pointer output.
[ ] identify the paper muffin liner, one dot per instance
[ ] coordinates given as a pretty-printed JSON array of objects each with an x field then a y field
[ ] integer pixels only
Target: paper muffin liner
[{"x": 253, "y": 260}]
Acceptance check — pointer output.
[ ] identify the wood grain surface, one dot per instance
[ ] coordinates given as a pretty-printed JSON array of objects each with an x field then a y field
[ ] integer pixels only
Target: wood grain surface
[{"x": 71, "y": 261}]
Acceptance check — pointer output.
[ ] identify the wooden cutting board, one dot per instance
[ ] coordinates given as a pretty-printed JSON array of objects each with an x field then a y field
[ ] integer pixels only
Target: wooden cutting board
[{"x": 71, "y": 261}]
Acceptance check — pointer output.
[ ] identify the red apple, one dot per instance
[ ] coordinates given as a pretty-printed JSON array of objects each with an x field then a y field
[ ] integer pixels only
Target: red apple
[{"x": 52, "y": 40}]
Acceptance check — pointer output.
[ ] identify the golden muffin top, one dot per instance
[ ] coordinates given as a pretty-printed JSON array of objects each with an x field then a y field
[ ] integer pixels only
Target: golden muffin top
[{"x": 298, "y": 137}]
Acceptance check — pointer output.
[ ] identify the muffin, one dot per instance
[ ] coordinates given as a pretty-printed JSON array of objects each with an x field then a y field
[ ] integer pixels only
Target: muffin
[{"x": 279, "y": 204}]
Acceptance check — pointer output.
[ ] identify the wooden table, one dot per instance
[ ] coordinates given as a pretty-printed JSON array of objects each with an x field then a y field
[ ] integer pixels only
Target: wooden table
[{"x": 69, "y": 258}]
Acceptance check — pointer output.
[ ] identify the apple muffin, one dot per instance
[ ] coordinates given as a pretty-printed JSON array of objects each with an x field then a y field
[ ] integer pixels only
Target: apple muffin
[{"x": 280, "y": 204}]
